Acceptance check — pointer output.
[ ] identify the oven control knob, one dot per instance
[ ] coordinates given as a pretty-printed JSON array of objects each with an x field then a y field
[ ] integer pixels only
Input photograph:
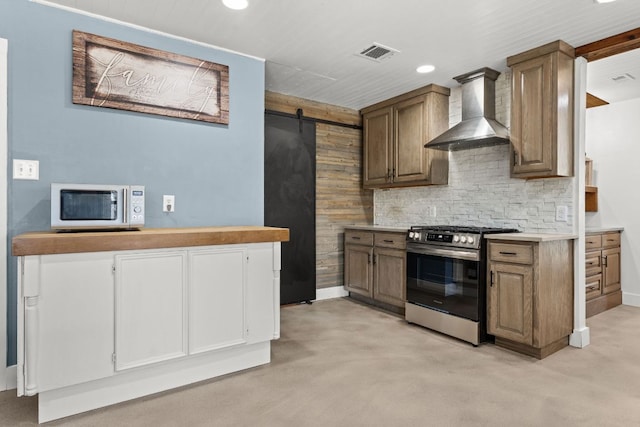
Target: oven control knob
[
  {"x": 416, "y": 235},
  {"x": 456, "y": 238},
  {"x": 463, "y": 239},
  {"x": 470, "y": 240},
  {"x": 411, "y": 234}
]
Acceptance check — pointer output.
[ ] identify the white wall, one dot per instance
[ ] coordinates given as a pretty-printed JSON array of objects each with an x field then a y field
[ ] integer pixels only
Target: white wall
[
  {"x": 480, "y": 190},
  {"x": 613, "y": 143}
]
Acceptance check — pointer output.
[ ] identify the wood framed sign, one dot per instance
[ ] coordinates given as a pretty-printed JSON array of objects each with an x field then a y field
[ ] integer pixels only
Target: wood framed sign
[{"x": 115, "y": 74}]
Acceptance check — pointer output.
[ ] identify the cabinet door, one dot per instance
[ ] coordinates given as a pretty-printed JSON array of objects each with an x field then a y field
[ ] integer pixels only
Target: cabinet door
[
  {"x": 377, "y": 147},
  {"x": 410, "y": 156},
  {"x": 75, "y": 319},
  {"x": 610, "y": 270},
  {"x": 510, "y": 295},
  {"x": 532, "y": 120},
  {"x": 390, "y": 276},
  {"x": 217, "y": 288},
  {"x": 358, "y": 269},
  {"x": 151, "y": 316},
  {"x": 262, "y": 299}
]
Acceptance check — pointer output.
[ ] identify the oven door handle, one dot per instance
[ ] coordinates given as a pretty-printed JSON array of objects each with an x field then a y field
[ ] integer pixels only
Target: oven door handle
[{"x": 448, "y": 253}]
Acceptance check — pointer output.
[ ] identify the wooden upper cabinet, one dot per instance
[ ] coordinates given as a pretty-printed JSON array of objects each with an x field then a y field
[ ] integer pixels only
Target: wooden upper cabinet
[
  {"x": 542, "y": 112},
  {"x": 378, "y": 128},
  {"x": 395, "y": 132}
]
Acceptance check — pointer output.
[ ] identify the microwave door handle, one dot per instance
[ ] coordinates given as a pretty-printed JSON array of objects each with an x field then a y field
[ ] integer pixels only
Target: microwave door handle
[{"x": 125, "y": 206}]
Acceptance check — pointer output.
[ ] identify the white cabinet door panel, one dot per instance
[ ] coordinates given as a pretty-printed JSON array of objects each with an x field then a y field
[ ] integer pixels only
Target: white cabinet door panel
[
  {"x": 75, "y": 319},
  {"x": 261, "y": 299},
  {"x": 151, "y": 309},
  {"x": 217, "y": 298}
]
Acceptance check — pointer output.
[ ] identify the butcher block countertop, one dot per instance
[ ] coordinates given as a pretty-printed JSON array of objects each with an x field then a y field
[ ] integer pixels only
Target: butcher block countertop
[{"x": 47, "y": 242}]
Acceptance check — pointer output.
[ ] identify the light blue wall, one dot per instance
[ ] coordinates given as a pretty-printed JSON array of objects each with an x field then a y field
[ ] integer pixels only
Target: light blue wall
[{"x": 215, "y": 171}]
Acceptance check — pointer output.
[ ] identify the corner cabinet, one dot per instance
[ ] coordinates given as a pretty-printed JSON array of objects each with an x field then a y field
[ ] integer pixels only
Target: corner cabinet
[
  {"x": 602, "y": 266},
  {"x": 542, "y": 112},
  {"x": 395, "y": 132},
  {"x": 530, "y": 294},
  {"x": 375, "y": 266}
]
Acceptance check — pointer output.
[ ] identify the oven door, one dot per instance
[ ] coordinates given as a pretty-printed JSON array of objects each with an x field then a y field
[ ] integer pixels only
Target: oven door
[{"x": 444, "y": 279}]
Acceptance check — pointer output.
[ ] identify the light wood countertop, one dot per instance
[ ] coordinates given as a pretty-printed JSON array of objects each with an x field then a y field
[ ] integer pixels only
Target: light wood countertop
[
  {"x": 377, "y": 228},
  {"x": 598, "y": 230},
  {"x": 47, "y": 242},
  {"x": 531, "y": 237}
]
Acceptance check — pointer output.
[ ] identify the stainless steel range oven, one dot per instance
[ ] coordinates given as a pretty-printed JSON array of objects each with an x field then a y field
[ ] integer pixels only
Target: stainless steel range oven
[{"x": 446, "y": 280}]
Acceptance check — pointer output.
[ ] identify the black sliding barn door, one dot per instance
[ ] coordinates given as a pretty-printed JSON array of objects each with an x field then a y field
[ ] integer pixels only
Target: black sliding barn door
[{"x": 290, "y": 201}]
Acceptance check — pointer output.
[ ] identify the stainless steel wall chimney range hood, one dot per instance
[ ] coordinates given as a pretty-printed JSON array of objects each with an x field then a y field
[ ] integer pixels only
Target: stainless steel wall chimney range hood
[{"x": 478, "y": 127}]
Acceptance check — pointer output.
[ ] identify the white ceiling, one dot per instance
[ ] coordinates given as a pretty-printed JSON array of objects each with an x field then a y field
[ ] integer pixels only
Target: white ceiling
[
  {"x": 310, "y": 45},
  {"x": 616, "y": 78}
]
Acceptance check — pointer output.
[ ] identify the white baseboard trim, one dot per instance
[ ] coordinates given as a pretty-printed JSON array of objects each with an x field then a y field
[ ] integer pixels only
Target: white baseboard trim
[
  {"x": 329, "y": 293},
  {"x": 631, "y": 299},
  {"x": 11, "y": 375},
  {"x": 580, "y": 338}
]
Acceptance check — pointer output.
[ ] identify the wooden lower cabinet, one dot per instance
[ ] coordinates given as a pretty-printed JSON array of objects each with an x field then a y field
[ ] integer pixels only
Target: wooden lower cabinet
[
  {"x": 530, "y": 294},
  {"x": 602, "y": 262},
  {"x": 375, "y": 266}
]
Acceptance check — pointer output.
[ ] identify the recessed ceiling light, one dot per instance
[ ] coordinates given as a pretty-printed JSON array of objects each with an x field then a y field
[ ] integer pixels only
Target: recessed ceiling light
[
  {"x": 604, "y": 1},
  {"x": 425, "y": 69},
  {"x": 236, "y": 4}
]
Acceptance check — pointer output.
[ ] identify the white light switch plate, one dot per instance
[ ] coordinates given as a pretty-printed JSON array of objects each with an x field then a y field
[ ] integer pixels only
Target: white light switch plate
[
  {"x": 561, "y": 213},
  {"x": 26, "y": 169}
]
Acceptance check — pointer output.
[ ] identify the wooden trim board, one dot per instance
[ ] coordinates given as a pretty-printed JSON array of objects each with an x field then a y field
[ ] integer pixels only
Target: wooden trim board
[{"x": 609, "y": 46}]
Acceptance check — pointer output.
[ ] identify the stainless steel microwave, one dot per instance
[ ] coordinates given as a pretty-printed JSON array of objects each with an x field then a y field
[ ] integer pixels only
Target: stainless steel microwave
[{"x": 97, "y": 207}]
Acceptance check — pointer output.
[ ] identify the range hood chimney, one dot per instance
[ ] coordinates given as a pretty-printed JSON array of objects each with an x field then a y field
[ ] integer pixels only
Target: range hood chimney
[{"x": 478, "y": 127}]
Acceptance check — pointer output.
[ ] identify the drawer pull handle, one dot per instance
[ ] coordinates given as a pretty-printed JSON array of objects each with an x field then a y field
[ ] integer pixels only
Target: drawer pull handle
[
  {"x": 590, "y": 263},
  {"x": 355, "y": 237},
  {"x": 592, "y": 288},
  {"x": 388, "y": 241},
  {"x": 438, "y": 302},
  {"x": 508, "y": 253}
]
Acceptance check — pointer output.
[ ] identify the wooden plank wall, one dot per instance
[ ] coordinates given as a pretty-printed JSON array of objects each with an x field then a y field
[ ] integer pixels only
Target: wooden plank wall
[{"x": 340, "y": 199}]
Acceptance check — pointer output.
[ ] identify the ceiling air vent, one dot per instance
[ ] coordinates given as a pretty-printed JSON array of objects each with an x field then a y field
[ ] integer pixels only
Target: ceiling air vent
[
  {"x": 623, "y": 78},
  {"x": 377, "y": 52}
]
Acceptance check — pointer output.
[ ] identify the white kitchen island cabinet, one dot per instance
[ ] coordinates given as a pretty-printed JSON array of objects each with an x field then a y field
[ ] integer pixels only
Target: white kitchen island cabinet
[{"x": 101, "y": 327}]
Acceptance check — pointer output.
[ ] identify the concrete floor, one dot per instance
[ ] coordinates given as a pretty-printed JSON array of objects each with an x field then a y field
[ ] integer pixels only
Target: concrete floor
[{"x": 341, "y": 363}]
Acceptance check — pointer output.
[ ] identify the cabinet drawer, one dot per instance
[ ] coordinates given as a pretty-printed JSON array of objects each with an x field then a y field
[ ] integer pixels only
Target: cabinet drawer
[
  {"x": 593, "y": 241},
  {"x": 509, "y": 252},
  {"x": 593, "y": 286},
  {"x": 610, "y": 240},
  {"x": 358, "y": 237},
  {"x": 389, "y": 240},
  {"x": 593, "y": 263}
]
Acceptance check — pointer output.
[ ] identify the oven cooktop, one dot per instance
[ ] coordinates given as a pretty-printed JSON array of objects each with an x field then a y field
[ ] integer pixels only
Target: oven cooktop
[{"x": 453, "y": 236}]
